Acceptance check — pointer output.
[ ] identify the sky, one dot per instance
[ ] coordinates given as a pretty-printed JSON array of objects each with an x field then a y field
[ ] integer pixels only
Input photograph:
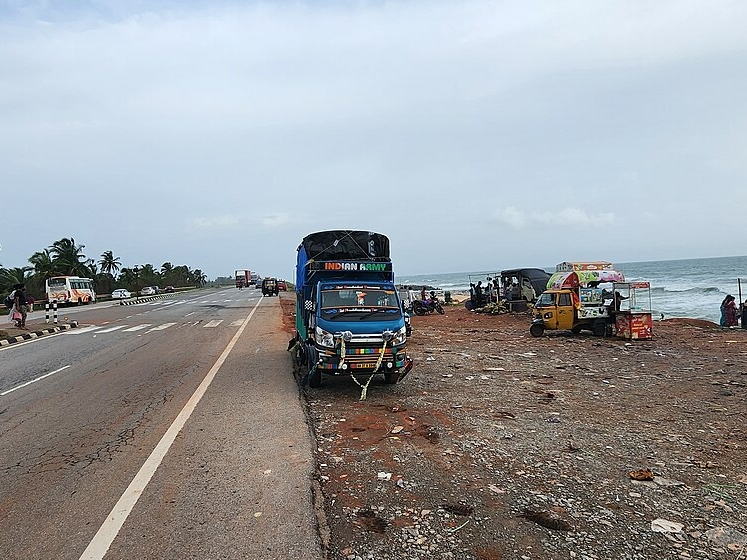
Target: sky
[{"x": 476, "y": 135}]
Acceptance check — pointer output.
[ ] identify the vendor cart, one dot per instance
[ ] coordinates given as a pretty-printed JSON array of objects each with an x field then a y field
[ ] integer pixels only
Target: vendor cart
[{"x": 632, "y": 310}]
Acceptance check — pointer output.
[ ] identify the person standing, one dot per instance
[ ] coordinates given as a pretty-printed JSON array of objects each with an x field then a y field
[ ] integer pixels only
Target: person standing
[
  {"x": 20, "y": 305},
  {"x": 728, "y": 312},
  {"x": 744, "y": 315}
]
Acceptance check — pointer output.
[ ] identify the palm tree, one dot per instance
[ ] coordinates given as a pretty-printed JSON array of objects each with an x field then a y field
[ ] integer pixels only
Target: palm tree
[
  {"x": 199, "y": 277},
  {"x": 181, "y": 276},
  {"x": 109, "y": 263},
  {"x": 43, "y": 263},
  {"x": 149, "y": 275},
  {"x": 69, "y": 258},
  {"x": 9, "y": 277}
]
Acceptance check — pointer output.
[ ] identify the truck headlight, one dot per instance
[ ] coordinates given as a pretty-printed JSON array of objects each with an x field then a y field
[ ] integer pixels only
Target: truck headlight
[
  {"x": 400, "y": 336},
  {"x": 324, "y": 338}
]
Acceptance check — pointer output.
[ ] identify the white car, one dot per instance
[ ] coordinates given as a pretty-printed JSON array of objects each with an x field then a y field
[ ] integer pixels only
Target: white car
[
  {"x": 148, "y": 291},
  {"x": 121, "y": 293}
]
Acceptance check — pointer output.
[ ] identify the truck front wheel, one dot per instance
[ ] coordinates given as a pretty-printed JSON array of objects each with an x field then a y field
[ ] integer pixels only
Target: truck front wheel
[
  {"x": 315, "y": 381},
  {"x": 391, "y": 377},
  {"x": 537, "y": 330}
]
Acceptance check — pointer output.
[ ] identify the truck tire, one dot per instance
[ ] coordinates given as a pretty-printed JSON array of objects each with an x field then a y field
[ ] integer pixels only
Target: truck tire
[
  {"x": 576, "y": 329},
  {"x": 599, "y": 328},
  {"x": 315, "y": 381},
  {"x": 391, "y": 377},
  {"x": 536, "y": 330}
]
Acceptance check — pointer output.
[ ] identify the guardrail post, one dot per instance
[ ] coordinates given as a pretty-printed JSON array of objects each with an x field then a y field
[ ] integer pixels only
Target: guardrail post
[
  {"x": 54, "y": 307},
  {"x": 46, "y": 312}
]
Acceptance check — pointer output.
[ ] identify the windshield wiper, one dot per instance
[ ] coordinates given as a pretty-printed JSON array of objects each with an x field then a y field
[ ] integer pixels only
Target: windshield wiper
[{"x": 366, "y": 315}]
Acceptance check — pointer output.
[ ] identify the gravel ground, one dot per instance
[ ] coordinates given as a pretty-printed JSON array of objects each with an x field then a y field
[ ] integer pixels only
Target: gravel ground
[{"x": 503, "y": 446}]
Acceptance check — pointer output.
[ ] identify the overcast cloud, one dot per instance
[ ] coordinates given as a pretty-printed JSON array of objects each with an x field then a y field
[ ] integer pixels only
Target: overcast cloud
[{"x": 477, "y": 135}]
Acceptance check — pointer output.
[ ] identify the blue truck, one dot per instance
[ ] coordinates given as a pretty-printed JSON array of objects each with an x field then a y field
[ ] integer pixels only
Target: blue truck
[{"x": 349, "y": 319}]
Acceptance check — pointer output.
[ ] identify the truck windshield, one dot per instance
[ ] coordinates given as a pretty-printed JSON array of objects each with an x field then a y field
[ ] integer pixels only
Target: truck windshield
[{"x": 365, "y": 303}]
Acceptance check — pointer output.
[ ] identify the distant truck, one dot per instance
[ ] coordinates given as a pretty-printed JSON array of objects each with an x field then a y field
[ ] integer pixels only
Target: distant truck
[
  {"x": 243, "y": 278},
  {"x": 349, "y": 319}
]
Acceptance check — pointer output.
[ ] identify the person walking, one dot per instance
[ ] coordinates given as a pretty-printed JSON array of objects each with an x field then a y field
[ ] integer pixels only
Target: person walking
[
  {"x": 729, "y": 312},
  {"x": 20, "y": 306}
]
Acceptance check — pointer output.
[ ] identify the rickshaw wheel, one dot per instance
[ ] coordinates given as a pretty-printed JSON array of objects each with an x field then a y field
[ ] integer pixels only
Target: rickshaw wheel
[
  {"x": 599, "y": 328},
  {"x": 536, "y": 330}
]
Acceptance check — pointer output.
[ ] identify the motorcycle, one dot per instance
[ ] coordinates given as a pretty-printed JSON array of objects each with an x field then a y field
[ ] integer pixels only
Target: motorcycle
[{"x": 426, "y": 307}]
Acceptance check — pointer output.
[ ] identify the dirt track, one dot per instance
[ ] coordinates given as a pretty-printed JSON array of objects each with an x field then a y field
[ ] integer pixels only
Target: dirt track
[{"x": 501, "y": 446}]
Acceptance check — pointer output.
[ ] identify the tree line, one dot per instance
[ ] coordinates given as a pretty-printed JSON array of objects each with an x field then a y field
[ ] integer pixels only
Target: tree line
[{"x": 66, "y": 258}]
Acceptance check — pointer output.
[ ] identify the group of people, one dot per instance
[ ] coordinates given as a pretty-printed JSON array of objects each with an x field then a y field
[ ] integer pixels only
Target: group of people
[
  {"x": 20, "y": 308},
  {"x": 492, "y": 291},
  {"x": 731, "y": 315}
]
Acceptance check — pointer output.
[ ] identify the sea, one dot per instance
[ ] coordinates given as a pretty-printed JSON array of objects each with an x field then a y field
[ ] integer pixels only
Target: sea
[{"x": 692, "y": 288}]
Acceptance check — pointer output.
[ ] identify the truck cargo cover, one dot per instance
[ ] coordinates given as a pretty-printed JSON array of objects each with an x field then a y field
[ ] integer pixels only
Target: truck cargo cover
[{"x": 338, "y": 245}]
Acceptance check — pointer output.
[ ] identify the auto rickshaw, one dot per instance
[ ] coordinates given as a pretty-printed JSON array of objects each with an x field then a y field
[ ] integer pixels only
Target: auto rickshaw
[
  {"x": 575, "y": 302},
  {"x": 269, "y": 287}
]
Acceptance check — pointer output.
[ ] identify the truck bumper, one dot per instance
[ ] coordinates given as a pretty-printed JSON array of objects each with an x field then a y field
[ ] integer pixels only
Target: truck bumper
[{"x": 362, "y": 360}]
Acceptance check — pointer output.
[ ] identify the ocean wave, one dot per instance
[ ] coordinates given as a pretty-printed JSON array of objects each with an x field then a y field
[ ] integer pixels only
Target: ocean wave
[{"x": 686, "y": 290}]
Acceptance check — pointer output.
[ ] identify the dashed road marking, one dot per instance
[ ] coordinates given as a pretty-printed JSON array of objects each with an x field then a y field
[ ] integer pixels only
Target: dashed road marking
[
  {"x": 213, "y": 323},
  {"x": 83, "y": 330},
  {"x": 137, "y": 327},
  {"x": 112, "y": 329},
  {"x": 161, "y": 327}
]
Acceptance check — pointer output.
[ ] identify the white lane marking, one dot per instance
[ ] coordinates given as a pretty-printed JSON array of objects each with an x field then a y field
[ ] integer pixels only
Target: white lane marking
[
  {"x": 84, "y": 329},
  {"x": 112, "y": 329},
  {"x": 237, "y": 322},
  {"x": 137, "y": 327},
  {"x": 160, "y": 327},
  {"x": 35, "y": 380},
  {"x": 108, "y": 531},
  {"x": 213, "y": 323},
  {"x": 190, "y": 313}
]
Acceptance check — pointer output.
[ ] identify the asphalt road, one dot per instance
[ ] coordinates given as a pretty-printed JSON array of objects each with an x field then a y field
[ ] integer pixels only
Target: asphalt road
[{"x": 167, "y": 429}]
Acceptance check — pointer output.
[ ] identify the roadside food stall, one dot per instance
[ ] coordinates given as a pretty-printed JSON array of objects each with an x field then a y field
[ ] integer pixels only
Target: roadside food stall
[{"x": 633, "y": 316}]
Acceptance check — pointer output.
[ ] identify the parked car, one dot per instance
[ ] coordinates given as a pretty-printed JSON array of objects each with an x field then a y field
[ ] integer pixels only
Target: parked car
[
  {"x": 148, "y": 291},
  {"x": 169, "y": 289},
  {"x": 282, "y": 286},
  {"x": 121, "y": 293}
]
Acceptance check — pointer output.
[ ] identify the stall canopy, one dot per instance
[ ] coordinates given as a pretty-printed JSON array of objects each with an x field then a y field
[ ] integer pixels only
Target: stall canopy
[
  {"x": 575, "y": 278},
  {"x": 586, "y": 265}
]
